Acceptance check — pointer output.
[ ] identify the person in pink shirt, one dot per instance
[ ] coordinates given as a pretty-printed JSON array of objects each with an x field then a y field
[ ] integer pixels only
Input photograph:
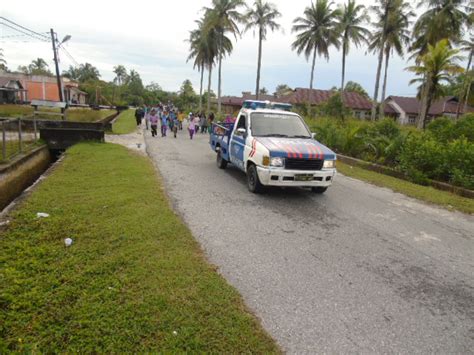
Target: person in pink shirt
[
  {"x": 154, "y": 118},
  {"x": 192, "y": 125}
]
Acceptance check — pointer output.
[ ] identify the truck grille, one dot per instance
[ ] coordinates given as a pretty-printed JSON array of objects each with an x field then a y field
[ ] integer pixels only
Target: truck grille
[{"x": 304, "y": 164}]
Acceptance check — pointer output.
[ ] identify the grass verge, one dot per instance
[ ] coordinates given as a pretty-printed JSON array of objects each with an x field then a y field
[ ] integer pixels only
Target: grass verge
[
  {"x": 134, "y": 279},
  {"x": 125, "y": 123},
  {"x": 429, "y": 194},
  {"x": 72, "y": 114}
]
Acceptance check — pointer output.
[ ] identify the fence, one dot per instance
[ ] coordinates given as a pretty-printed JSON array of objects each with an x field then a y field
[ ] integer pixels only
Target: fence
[{"x": 17, "y": 136}]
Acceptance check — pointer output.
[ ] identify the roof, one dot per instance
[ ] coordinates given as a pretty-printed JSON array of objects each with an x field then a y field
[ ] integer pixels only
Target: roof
[
  {"x": 269, "y": 110},
  {"x": 411, "y": 105},
  {"x": 6, "y": 83},
  {"x": 352, "y": 100}
]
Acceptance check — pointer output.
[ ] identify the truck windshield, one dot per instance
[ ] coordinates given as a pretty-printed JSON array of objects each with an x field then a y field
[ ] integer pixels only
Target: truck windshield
[{"x": 277, "y": 125}]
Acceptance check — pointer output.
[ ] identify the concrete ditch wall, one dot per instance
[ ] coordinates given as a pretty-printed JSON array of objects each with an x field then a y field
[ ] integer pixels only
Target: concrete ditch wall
[{"x": 20, "y": 173}]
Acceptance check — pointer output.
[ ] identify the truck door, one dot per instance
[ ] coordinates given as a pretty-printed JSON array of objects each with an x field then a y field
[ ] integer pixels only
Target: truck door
[{"x": 237, "y": 143}]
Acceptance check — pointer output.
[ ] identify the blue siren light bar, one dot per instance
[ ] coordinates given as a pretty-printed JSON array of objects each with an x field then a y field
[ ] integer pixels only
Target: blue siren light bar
[{"x": 254, "y": 104}]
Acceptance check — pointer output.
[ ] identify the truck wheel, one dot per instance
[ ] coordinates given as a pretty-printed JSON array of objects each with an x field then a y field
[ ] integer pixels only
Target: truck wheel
[
  {"x": 221, "y": 162},
  {"x": 319, "y": 189},
  {"x": 253, "y": 182}
]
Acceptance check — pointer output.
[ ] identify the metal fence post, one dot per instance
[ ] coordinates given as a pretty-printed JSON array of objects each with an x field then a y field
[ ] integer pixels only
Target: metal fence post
[
  {"x": 4, "y": 142},
  {"x": 34, "y": 127},
  {"x": 19, "y": 135}
]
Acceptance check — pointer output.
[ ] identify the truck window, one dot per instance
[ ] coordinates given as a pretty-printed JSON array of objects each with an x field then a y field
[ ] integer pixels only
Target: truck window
[{"x": 241, "y": 122}]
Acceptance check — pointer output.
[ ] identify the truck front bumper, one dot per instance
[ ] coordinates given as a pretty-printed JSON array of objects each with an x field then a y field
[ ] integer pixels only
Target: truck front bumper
[{"x": 302, "y": 178}]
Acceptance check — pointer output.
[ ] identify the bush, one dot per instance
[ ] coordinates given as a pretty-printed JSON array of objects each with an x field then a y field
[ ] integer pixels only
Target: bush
[{"x": 444, "y": 152}]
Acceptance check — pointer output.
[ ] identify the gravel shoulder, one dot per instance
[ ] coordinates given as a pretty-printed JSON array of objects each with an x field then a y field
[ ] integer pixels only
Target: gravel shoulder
[{"x": 358, "y": 269}]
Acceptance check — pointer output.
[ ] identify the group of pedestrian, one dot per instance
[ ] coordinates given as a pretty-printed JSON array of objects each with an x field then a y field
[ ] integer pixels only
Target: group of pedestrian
[
  {"x": 199, "y": 121},
  {"x": 169, "y": 117}
]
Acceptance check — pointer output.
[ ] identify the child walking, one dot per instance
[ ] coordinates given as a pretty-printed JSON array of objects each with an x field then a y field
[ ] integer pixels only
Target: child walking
[
  {"x": 192, "y": 125},
  {"x": 153, "y": 118}
]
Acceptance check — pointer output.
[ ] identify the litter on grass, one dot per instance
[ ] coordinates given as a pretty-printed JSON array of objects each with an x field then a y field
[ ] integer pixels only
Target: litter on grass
[
  {"x": 68, "y": 242},
  {"x": 42, "y": 215}
]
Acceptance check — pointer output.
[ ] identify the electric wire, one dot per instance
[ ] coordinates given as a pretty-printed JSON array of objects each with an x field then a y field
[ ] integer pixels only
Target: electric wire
[
  {"x": 23, "y": 32},
  {"x": 25, "y": 28}
]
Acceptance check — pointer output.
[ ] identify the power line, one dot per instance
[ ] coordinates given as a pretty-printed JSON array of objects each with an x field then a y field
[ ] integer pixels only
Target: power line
[
  {"x": 70, "y": 56},
  {"x": 23, "y": 32},
  {"x": 27, "y": 29}
]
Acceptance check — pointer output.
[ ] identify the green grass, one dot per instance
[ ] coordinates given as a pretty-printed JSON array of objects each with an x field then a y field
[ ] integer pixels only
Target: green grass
[
  {"x": 445, "y": 199},
  {"x": 125, "y": 123},
  {"x": 72, "y": 114},
  {"x": 134, "y": 279}
]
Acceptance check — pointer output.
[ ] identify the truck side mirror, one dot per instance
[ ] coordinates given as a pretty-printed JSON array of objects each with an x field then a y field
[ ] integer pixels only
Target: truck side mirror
[
  {"x": 241, "y": 131},
  {"x": 313, "y": 135}
]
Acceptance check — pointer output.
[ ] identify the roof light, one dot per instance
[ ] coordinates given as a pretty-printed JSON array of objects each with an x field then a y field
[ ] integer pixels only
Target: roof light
[{"x": 255, "y": 104}]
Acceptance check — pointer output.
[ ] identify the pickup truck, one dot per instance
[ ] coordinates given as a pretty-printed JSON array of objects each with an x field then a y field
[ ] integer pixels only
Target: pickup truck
[{"x": 274, "y": 147}]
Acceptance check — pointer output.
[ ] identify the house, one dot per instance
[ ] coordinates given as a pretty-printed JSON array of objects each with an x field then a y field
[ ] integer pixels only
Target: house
[
  {"x": 406, "y": 109},
  {"x": 357, "y": 103},
  {"x": 10, "y": 90},
  {"x": 42, "y": 87}
]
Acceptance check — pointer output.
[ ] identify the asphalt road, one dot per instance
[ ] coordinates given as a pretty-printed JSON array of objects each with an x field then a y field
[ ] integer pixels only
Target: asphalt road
[{"x": 358, "y": 269}]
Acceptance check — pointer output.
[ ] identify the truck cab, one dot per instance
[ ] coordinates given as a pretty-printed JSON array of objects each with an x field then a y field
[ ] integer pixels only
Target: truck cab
[{"x": 274, "y": 147}]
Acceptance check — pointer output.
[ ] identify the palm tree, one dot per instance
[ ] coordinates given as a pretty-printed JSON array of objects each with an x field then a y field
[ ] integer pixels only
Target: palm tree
[
  {"x": 351, "y": 22},
  {"x": 223, "y": 17},
  {"x": 3, "y": 62},
  {"x": 443, "y": 19},
  {"x": 396, "y": 38},
  {"x": 120, "y": 74},
  {"x": 435, "y": 67},
  {"x": 467, "y": 46},
  {"x": 317, "y": 32},
  {"x": 38, "y": 64},
  {"x": 261, "y": 17}
]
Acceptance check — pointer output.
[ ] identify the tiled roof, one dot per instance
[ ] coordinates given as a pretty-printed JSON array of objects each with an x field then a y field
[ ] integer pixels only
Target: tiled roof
[
  {"x": 411, "y": 105},
  {"x": 352, "y": 100}
]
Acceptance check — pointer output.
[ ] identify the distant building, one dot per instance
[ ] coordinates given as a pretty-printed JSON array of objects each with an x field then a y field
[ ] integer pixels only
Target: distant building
[
  {"x": 406, "y": 109},
  {"x": 357, "y": 103},
  {"x": 38, "y": 87}
]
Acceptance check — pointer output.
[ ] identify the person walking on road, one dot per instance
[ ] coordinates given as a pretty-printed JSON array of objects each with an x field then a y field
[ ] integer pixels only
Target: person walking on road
[
  {"x": 146, "y": 115},
  {"x": 203, "y": 123},
  {"x": 138, "y": 116},
  {"x": 192, "y": 126},
  {"x": 175, "y": 126},
  {"x": 164, "y": 123},
  {"x": 211, "y": 121},
  {"x": 153, "y": 117}
]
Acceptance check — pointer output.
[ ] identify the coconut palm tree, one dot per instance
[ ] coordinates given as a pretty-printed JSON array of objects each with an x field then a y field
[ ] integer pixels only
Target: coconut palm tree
[
  {"x": 443, "y": 19},
  {"x": 261, "y": 16},
  {"x": 434, "y": 68},
  {"x": 352, "y": 19},
  {"x": 397, "y": 37},
  {"x": 467, "y": 46},
  {"x": 198, "y": 52},
  {"x": 223, "y": 17},
  {"x": 120, "y": 74},
  {"x": 316, "y": 32}
]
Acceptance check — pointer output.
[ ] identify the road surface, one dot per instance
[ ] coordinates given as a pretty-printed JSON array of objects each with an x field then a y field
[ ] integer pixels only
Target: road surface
[{"x": 358, "y": 269}]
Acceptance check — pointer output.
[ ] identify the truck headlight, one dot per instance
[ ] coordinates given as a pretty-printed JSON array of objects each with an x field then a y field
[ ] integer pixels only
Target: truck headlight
[
  {"x": 277, "y": 161},
  {"x": 329, "y": 164}
]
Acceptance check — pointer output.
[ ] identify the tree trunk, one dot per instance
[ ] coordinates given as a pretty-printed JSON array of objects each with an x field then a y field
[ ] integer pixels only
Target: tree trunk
[
  {"x": 377, "y": 82},
  {"x": 465, "y": 95},
  {"x": 425, "y": 104},
  {"x": 219, "y": 75},
  {"x": 343, "y": 65},
  {"x": 209, "y": 90},
  {"x": 311, "y": 83},
  {"x": 200, "y": 88},
  {"x": 384, "y": 86},
  {"x": 259, "y": 64}
]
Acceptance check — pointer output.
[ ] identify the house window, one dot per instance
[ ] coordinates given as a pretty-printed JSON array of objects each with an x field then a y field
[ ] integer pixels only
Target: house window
[{"x": 412, "y": 119}]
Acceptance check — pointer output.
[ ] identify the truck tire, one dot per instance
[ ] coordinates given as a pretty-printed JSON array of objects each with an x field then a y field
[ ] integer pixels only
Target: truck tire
[
  {"x": 319, "y": 189},
  {"x": 221, "y": 162},
  {"x": 253, "y": 182}
]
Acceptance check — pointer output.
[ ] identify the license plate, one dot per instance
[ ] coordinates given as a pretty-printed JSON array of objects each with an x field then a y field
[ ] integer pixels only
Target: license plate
[{"x": 303, "y": 177}]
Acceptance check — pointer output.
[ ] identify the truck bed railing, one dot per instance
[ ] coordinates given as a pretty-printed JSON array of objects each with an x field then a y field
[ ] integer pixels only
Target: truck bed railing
[{"x": 222, "y": 128}]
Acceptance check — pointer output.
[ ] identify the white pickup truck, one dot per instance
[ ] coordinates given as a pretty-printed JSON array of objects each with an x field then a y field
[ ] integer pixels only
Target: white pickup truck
[{"x": 274, "y": 147}]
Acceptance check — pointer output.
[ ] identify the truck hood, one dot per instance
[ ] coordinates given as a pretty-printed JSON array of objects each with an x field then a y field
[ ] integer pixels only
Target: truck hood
[{"x": 296, "y": 148}]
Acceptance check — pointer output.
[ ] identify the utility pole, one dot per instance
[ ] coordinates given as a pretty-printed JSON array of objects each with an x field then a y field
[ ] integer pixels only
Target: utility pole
[{"x": 58, "y": 78}]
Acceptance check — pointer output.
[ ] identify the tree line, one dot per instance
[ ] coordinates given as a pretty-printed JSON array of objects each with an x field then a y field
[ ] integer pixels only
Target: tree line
[{"x": 434, "y": 41}]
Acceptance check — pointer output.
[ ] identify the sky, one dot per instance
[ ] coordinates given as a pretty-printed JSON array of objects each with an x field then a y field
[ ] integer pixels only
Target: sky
[{"x": 150, "y": 37}]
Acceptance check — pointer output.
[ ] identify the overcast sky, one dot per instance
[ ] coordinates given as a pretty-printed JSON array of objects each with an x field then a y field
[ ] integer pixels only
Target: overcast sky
[{"x": 149, "y": 36}]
